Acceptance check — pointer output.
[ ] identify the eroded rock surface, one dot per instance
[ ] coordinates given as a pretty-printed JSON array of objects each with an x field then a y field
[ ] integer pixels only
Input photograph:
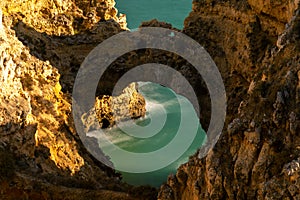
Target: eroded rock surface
[
  {"x": 255, "y": 44},
  {"x": 66, "y": 17},
  {"x": 41, "y": 155},
  {"x": 109, "y": 110}
]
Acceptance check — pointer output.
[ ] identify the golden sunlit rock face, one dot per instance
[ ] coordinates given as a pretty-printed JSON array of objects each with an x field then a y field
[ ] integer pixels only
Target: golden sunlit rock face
[
  {"x": 108, "y": 110},
  {"x": 281, "y": 10},
  {"x": 62, "y": 17},
  {"x": 255, "y": 45},
  {"x": 38, "y": 141},
  {"x": 31, "y": 97},
  {"x": 128, "y": 105}
]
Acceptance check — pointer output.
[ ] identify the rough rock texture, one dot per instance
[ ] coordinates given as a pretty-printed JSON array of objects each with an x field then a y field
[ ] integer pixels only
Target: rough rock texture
[
  {"x": 111, "y": 109},
  {"x": 66, "y": 53},
  {"x": 41, "y": 155},
  {"x": 255, "y": 44},
  {"x": 44, "y": 28},
  {"x": 68, "y": 17},
  {"x": 139, "y": 57}
]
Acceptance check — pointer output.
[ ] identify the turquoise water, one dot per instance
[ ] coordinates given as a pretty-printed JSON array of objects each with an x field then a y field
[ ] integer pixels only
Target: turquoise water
[
  {"x": 171, "y": 11},
  {"x": 159, "y": 127}
]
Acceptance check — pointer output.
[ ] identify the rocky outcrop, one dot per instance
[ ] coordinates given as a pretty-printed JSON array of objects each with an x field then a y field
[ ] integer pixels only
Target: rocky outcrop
[
  {"x": 255, "y": 44},
  {"x": 256, "y": 47},
  {"x": 41, "y": 156},
  {"x": 66, "y": 17},
  {"x": 112, "y": 109}
]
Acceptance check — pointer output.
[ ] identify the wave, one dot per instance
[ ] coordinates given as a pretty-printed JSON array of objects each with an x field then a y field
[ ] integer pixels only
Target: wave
[{"x": 114, "y": 135}]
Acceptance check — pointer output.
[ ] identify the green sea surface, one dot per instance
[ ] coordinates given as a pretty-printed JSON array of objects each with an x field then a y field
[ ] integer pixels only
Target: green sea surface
[
  {"x": 168, "y": 115},
  {"x": 171, "y": 11}
]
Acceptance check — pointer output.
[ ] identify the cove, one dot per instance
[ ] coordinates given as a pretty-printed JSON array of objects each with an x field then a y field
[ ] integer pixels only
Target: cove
[
  {"x": 162, "y": 105},
  {"x": 170, "y": 11}
]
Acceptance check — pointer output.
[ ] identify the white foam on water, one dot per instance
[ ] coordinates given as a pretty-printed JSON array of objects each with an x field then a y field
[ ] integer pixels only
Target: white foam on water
[
  {"x": 112, "y": 135},
  {"x": 155, "y": 110}
]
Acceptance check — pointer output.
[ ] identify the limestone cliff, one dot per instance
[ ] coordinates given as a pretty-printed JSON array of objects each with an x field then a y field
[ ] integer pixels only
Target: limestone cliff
[
  {"x": 41, "y": 156},
  {"x": 68, "y": 17},
  {"x": 255, "y": 44},
  {"x": 112, "y": 109}
]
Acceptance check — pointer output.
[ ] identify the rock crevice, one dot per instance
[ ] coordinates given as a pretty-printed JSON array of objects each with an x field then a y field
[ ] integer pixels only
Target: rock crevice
[{"x": 256, "y": 47}]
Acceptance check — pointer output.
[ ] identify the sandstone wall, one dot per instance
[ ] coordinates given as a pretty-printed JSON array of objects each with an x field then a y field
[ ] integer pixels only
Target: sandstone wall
[
  {"x": 255, "y": 44},
  {"x": 109, "y": 110},
  {"x": 41, "y": 155}
]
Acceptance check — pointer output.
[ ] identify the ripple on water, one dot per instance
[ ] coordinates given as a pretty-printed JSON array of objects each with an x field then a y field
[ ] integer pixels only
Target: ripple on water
[
  {"x": 171, "y": 11},
  {"x": 159, "y": 101}
]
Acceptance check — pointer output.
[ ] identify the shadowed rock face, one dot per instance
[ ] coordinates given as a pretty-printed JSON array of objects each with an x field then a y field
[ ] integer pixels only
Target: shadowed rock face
[
  {"x": 256, "y": 47},
  {"x": 255, "y": 44},
  {"x": 41, "y": 154}
]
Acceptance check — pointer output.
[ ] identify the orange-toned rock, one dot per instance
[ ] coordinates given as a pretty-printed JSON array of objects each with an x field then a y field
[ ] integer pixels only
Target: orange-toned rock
[{"x": 111, "y": 109}]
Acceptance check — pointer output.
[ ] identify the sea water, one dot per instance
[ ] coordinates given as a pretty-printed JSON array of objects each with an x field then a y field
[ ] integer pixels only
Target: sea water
[
  {"x": 163, "y": 106},
  {"x": 171, "y": 11},
  {"x": 169, "y": 115}
]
